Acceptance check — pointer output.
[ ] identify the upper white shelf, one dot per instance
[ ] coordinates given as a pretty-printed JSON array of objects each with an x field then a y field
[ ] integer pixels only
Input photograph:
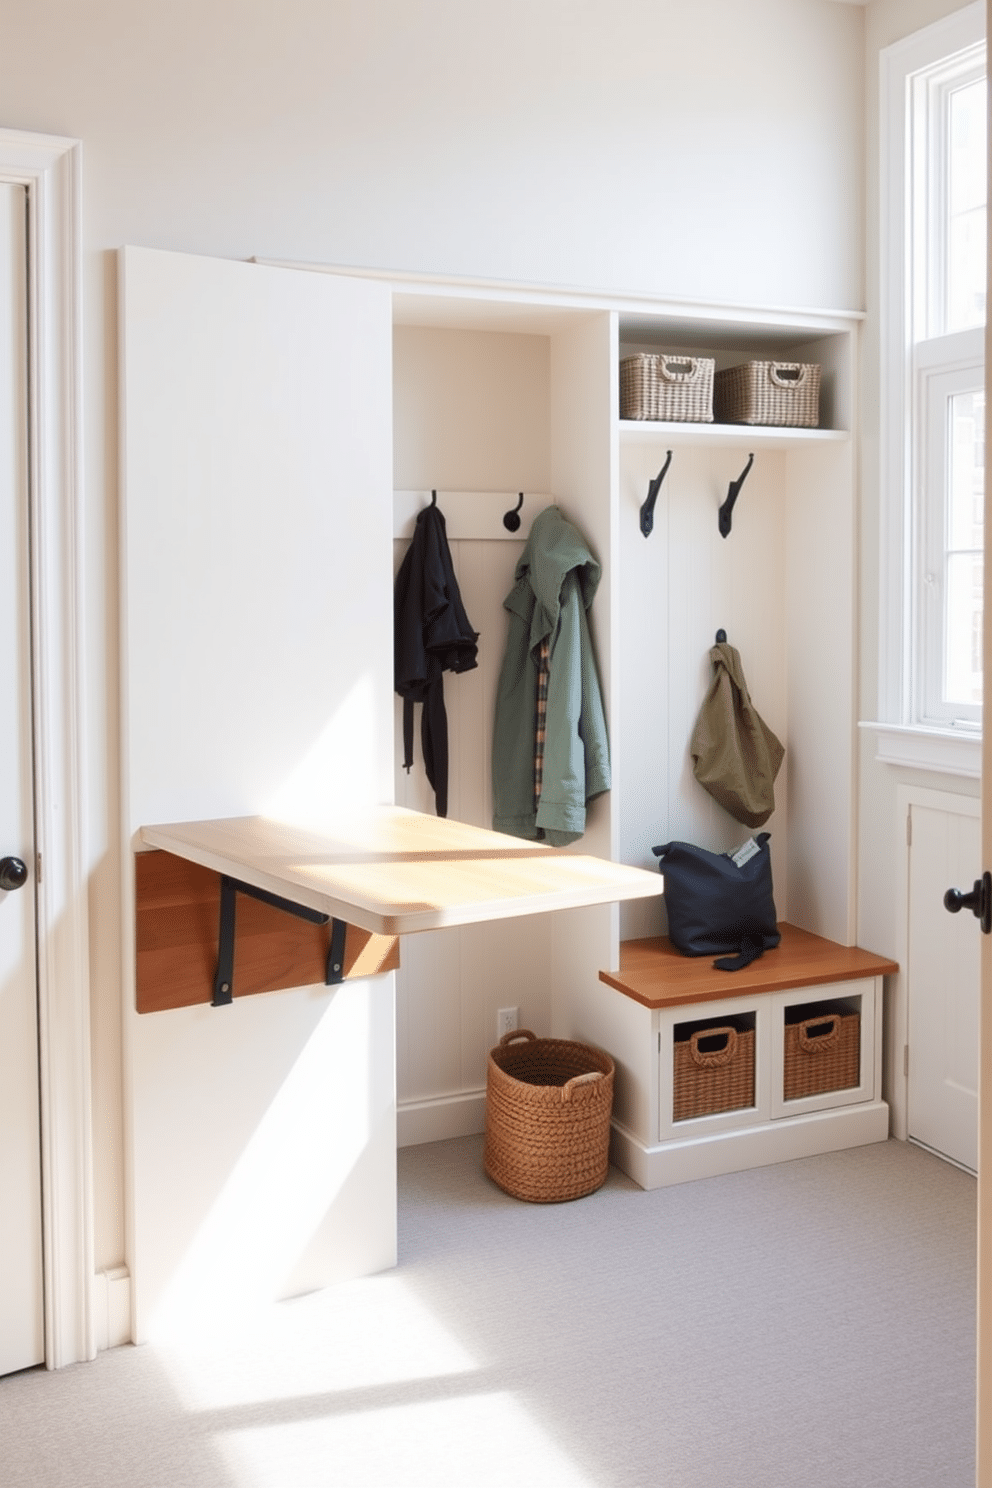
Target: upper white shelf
[
  {"x": 395, "y": 871},
  {"x": 738, "y": 436}
]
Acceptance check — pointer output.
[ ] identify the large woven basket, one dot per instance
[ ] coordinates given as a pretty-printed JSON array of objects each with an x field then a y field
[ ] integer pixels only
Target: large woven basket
[
  {"x": 822, "y": 1052},
  {"x": 548, "y": 1104},
  {"x": 713, "y": 1071},
  {"x": 782, "y": 393},
  {"x": 677, "y": 388}
]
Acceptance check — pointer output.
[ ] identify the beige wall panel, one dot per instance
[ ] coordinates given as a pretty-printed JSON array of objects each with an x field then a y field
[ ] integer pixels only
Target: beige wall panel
[{"x": 470, "y": 410}]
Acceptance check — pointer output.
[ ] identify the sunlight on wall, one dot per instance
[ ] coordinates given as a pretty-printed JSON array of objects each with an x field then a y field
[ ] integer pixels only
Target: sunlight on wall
[
  {"x": 287, "y": 1178},
  {"x": 341, "y": 770}
]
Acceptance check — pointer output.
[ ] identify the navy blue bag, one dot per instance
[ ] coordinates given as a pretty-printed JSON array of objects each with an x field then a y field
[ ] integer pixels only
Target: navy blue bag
[{"x": 720, "y": 904}]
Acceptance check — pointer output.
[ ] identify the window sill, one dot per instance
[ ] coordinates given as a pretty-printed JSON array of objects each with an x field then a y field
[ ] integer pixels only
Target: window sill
[{"x": 945, "y": 751}]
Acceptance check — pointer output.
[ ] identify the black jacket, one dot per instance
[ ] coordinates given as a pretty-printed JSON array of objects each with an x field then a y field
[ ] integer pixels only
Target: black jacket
[{"x": 432, "y": 635}]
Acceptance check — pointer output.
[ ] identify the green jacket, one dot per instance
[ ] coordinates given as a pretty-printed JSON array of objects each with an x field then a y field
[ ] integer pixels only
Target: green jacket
[{"x": 555, "y": 581}]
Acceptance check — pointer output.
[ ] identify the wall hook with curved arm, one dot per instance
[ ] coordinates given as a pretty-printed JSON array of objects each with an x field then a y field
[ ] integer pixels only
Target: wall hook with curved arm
[
  {"x": 654, "y": 486},
  {"x": 726, "y": 513},
  {"x": 511, "y": 521}
]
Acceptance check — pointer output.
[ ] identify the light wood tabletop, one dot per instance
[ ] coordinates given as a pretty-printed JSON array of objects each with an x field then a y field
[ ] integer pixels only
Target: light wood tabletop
[{"x": 394, "y": 871}]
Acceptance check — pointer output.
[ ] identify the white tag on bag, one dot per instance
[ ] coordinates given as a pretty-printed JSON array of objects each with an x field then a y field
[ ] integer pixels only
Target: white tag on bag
[{"x": 745, "y": 852}]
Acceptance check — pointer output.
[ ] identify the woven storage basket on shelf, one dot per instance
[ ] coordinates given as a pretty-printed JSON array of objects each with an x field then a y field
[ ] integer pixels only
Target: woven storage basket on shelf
[
  {"x": 713, "y": 1071},
  {"x": 548, "y": 1104},
  {"x": 677, "y": 388},
  {"x": 822, "y": 1052},
  {"x": 781, "y": 393}
]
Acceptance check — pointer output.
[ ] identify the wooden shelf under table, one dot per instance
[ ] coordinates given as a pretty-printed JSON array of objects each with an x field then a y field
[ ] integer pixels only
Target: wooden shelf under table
[{"x": 656, "y": 975}]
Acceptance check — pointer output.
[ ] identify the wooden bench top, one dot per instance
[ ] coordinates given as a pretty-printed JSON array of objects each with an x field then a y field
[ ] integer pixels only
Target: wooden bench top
[{"x": 655, "y": 974}]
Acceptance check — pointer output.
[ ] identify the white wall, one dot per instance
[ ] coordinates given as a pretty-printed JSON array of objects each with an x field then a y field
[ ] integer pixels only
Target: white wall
[
  {"x": 709, "y": 150},
  {"x": 642, "y": 145}
]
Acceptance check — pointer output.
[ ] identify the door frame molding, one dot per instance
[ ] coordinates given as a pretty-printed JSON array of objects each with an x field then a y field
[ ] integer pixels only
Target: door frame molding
[{"x": 50, "y": 168}]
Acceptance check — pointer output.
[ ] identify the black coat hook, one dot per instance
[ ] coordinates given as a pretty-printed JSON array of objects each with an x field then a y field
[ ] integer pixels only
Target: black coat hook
[
  {"x": 721, "y": 636},
  {"x": 510, "y": 519},
  {"x": 727, "y": 509},
  {"x": 654, "y": 486},
  {"x": 433, "y": 498}
]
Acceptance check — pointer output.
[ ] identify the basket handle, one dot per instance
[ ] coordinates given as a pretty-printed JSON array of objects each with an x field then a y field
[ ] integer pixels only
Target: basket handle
[
  {"x": 787, "y": 374},
  {"x": 692, "y": 367},
  {"x": 586, "y": 1079},
  {"x": 516, "y": 1033},
  {"x": 713, "y": 1058},
  {"x": 812, "y": 1041}
]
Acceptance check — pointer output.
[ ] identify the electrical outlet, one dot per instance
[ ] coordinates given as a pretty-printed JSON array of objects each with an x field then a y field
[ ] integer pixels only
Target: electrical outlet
[{"x": 507, "y": 1019}]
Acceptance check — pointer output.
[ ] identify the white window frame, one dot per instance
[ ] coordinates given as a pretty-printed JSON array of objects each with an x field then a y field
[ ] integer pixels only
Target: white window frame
[
  {"x": 940, "y": 377},
  {"x": 910, "y": 733}
]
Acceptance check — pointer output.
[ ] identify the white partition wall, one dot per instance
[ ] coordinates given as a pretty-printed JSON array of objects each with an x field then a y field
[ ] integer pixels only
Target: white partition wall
[{"x": 257, "y": 639}]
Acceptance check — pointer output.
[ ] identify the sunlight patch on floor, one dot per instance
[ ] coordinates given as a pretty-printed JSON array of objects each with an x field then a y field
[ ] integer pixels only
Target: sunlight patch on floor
[
  {"x": 360, "y": 1386},
  {"x": 357, "y": 1335},
  {"x": 479, "y": 1441}
]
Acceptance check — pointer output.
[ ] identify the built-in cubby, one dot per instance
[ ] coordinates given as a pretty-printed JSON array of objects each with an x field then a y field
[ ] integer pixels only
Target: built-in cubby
[
  {"x": 731, "y": 343},
  {"x": 713, "y": 1067},
  {"x": 498, "y": 392},
  {"x": 824, "y": 1051},
  {"x": 491, "y": 400}
]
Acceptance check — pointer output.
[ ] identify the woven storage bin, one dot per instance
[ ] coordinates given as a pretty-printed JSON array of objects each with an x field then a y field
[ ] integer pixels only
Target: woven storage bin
[
  {"x": 713, "y": 1071},
  {"x": 678, "y": 388},
  {"x": 783, "y": 393},
  {"x": 822, "y": 1052},
  {"x": 548, "y": 1104}
]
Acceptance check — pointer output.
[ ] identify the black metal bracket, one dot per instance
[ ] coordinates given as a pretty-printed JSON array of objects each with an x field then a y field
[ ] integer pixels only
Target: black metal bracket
[
  {"x": 229, "y": 890},
  {"x": 979, "y": 901},
  {"x": 726, "y": 514},
  {"x": 647, "y": 506}
]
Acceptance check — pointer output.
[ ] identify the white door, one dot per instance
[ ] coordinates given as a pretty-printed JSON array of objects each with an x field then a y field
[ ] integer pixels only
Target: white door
[
  {"x": 21, "y": 1321},
  {"x": 943, "y": 975}
]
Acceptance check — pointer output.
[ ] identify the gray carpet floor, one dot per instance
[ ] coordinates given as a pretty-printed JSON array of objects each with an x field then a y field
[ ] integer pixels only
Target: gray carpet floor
[{"x": 807, "y": 1325}]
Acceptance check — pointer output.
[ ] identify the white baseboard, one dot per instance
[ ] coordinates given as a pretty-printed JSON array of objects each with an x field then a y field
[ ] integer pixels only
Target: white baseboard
[
  {"x": 112, "y": 1307},
  {"x": 436, "y": 1120},
  {"x": 748, "y": 1147}
]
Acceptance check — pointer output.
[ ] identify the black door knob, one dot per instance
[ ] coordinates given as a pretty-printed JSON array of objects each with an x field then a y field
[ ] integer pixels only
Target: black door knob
[
  {"x": 979, "y": 901},
  {"x": 13, "y": 873}
]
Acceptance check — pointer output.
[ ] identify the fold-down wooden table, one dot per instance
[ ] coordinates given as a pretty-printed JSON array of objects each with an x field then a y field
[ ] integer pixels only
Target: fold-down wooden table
[{"x": 385, "y": 874}]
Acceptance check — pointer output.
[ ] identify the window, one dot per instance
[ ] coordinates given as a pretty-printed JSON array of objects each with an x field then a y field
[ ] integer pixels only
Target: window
[{"x": 933, "y": 407}]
